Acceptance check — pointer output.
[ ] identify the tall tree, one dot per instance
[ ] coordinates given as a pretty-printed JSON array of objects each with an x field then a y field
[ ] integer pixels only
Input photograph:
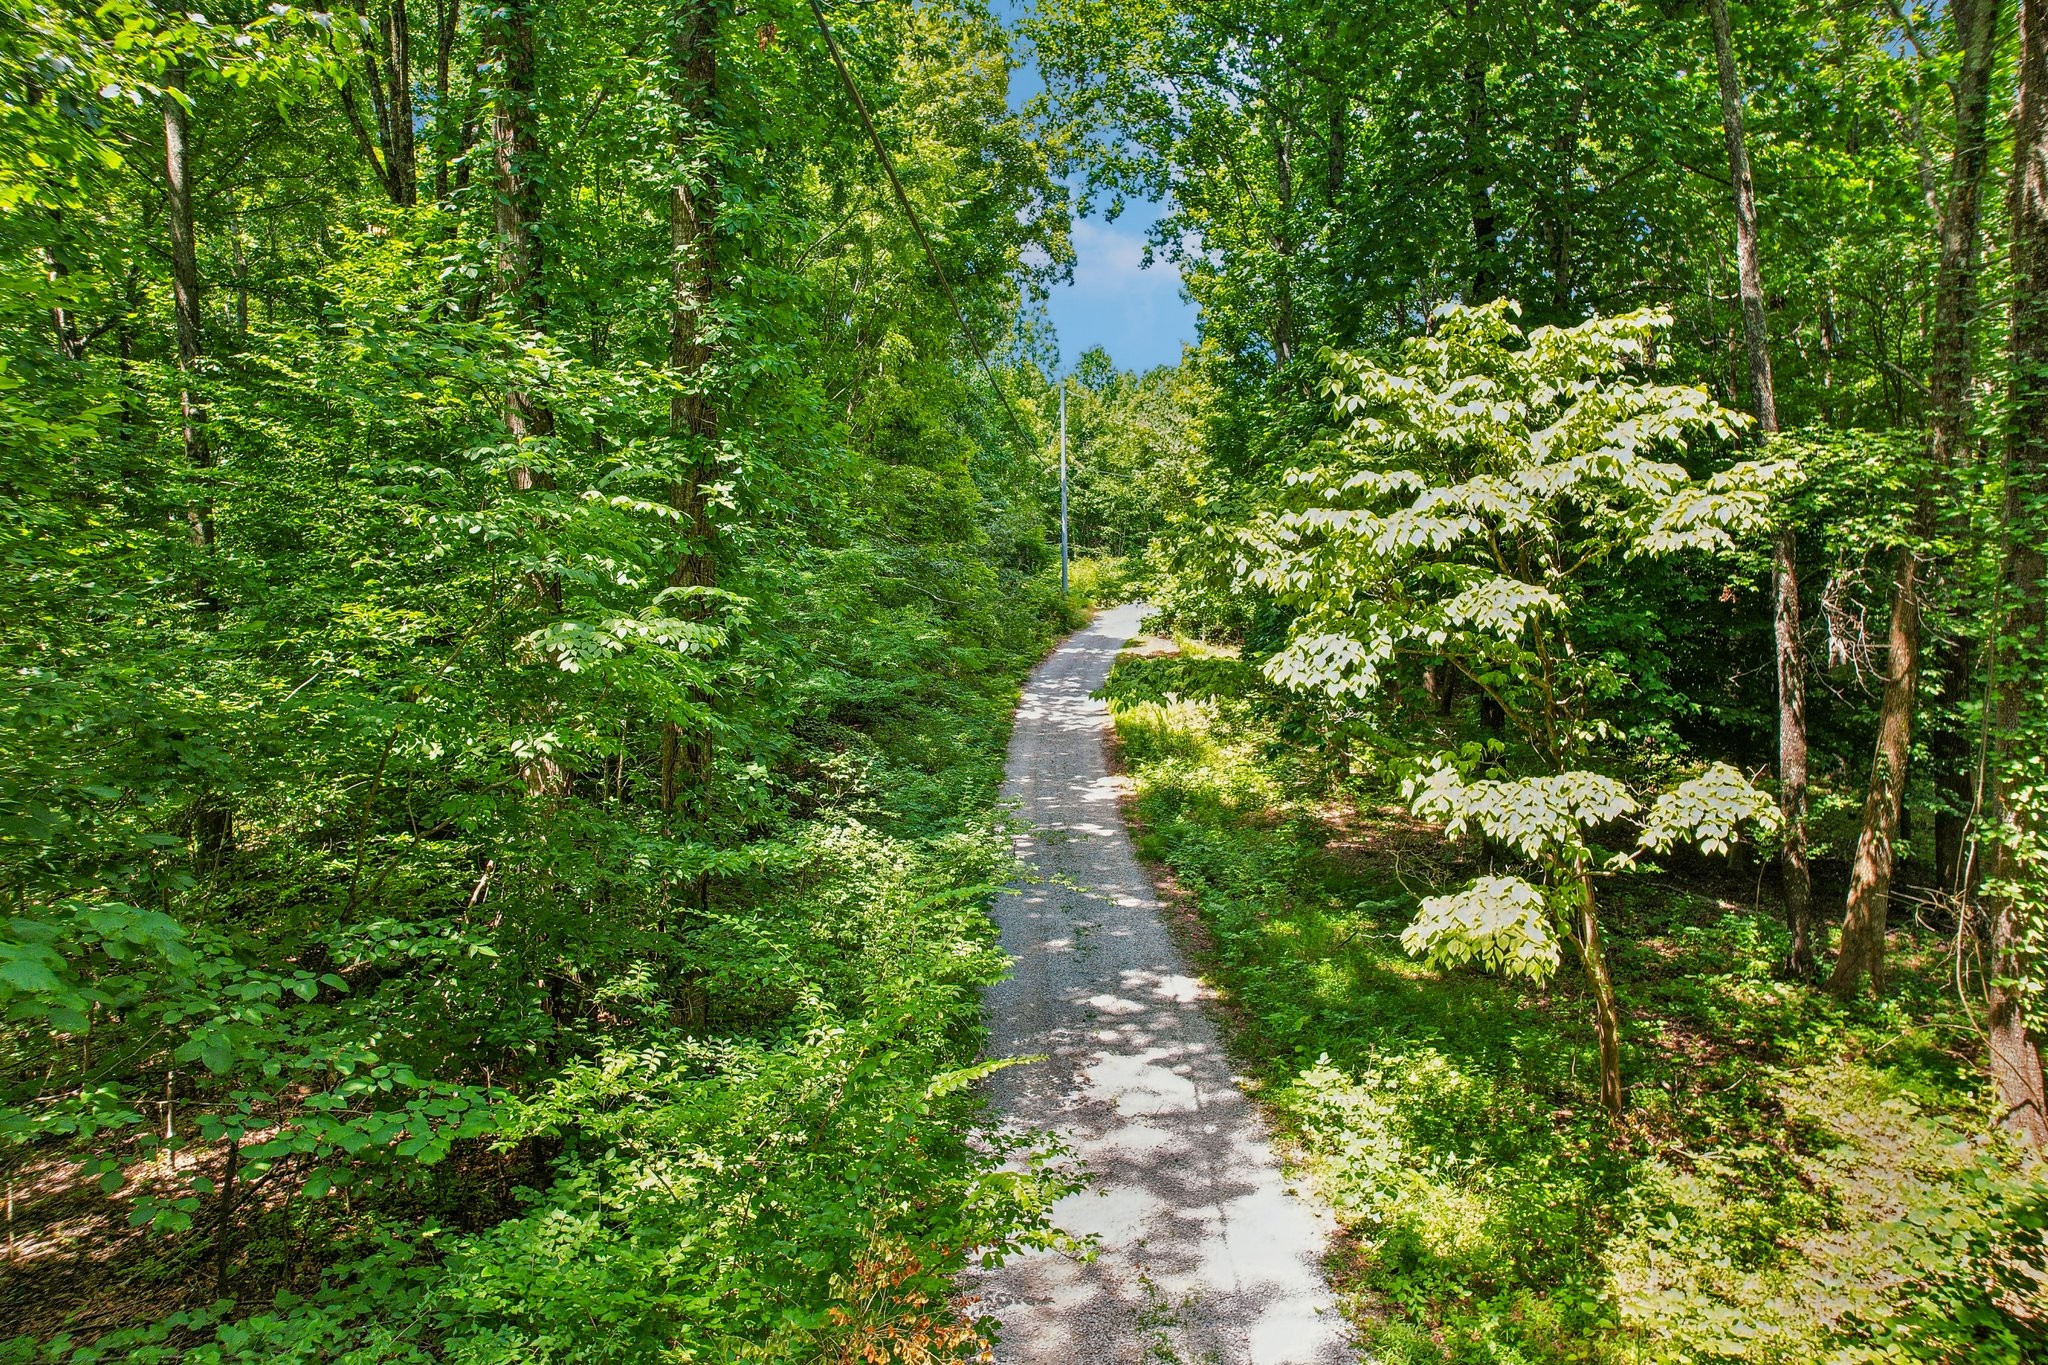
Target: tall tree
[
  {"x": 1955, "y": 306},
  {"x": 185, "y": 304},
  {"x": 387, "y": 134},
  {"x": 693, "y": 418},
  {"x": 2021, "y": 645},
  {"x": 212, "y": 817},
  {"x": 1479, "y": 168},
  {"x": 513, "y": 54},
  {"x": 1790, "y": 653}
]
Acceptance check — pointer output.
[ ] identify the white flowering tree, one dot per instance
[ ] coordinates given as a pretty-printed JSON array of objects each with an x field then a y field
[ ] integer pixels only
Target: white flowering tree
[{"x": 1476, "y": 500}]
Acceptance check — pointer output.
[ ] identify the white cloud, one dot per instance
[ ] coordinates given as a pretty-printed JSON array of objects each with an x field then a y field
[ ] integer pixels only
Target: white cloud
[{"x": 1134, "y": 312}]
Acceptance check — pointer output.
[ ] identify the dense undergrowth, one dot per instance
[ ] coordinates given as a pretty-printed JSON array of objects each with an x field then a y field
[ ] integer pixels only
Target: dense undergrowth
[
  {"x": 1793, "y": 1181},
  {"x": 788, "y": 1166}
]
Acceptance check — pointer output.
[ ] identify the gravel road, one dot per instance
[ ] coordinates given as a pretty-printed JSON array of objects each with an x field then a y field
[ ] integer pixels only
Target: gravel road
[{"x": 1205, "y": 1254}]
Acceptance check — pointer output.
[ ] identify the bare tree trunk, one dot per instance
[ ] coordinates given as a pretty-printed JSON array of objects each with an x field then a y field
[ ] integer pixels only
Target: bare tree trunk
[
  {"x": 214, "y": 825},
  {"x": 2021, "y": 646},
  {"x": 1791, "y": 657},
  {"x": 185, "y": 302},
  {"x": 387, "y": 74},
  {"x": 1863, "y": 921},
  {"x": 1557, "y": 210},
  {"x": 1795, "y": 877},
  {"x": 693, "y": 420},
  {"x": 1955, "y": 307},
  {"x": 1749, "y": 271},
  {"x": 1950, "y": 759},
  {"x": 70, "y": 345},
  {"x": 1948, "y": 394}
]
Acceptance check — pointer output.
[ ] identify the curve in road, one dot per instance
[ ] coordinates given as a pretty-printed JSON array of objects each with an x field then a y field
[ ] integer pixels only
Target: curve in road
[{"x": 1204, "y": 1253}]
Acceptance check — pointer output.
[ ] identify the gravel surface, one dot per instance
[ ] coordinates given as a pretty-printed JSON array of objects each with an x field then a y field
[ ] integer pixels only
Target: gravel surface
[{"x": 1205, "y": 1254}]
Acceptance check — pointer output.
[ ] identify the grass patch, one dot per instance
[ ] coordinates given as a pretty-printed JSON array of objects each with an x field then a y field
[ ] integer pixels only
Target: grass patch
[{"x": 1793, "y": 1181}]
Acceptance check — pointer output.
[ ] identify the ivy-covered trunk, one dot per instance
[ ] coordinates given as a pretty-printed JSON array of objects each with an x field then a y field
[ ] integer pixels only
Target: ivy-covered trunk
[{"x": 2022, "y": 643}]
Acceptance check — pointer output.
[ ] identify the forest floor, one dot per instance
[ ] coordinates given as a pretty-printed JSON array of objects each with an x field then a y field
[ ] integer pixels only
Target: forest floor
[
  {"x": 1792, "y": 1181},
  {"x": 1202, "y": 1252}
]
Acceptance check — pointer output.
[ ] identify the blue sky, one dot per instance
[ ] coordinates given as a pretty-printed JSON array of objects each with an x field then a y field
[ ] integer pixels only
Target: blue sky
[{"x": 1134, "y": 313}]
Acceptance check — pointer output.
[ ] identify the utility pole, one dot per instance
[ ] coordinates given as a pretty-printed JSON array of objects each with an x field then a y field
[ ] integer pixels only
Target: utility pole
[{"x": 1063, "y": 488}]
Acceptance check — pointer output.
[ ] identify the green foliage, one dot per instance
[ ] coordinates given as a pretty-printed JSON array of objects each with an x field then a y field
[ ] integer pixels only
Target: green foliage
[
  {"x": 1794, "y": 1183},
  {"x": 1471, "y": 512},
  {"x": 458, "y": 906}
]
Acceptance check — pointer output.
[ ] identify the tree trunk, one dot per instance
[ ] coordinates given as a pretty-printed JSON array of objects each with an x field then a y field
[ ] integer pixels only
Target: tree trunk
[
  {"x": 2021, "y": 646},
  {"x": 693, "y": 420},
  {"x": 1864, "y": 918},
  {"x": 444, "y": 51},
  {"x": 224, "y": 1213},
  {"x": 388, "y": 143},
  {"x": 1797, "y": 880},
  {"x": 1749, "y": 271},
  {"x": 1606, "y": 1014},
  {"x": 1948, "y": 394},
  {"x": 399, "y": 152},
  {"x": 70, "y": 345},
  {"x": 213, "y": 821},
  {"x": 522, "y": 276},
  {"x": 1557, "y": 228},
  {"x": 185, "y": 305},
  {"x": 1795, "y": 877},
  {"x": 1479, "y": 163},
  {"x": 522, "y": 266},
  {"x": 1955, "y": 307}
]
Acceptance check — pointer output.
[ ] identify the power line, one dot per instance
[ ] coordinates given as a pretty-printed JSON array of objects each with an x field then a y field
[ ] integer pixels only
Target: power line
[{"x": 916, "y": 227}]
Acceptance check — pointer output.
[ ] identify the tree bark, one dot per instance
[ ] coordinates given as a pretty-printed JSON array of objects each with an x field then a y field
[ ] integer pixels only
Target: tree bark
[
  {"x": 70, "y": 345},
  {"x": 1479, "y": 162},
  {"x": 1950, "y": 757},
  {"x": 1793, "y": 872},
  {"x": 1749, "y": 271},
  {"x": 1606, "y": 1014},
  {"x": 512, "y": 47},
  {"x": 444, "y": 50},
  {"x": 1864, "y": 919},
  {"x": 1557, "y": 211},
  {"x": 1948, "y": 394},
  {"x": 518, "y": 202},
  {"x": 185, "y": 302},
  {"x": 213, "y": 820},
  {"x": 1955, "y": 307},
  {"x": 400, "y": 154},
  {"x": 2021, "y": 646},
  {"x": 686, "y": 759},
  {"x": 387, "y": 74}
]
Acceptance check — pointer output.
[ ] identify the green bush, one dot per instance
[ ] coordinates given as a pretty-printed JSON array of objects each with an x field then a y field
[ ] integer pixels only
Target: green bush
[{"x": 1794, "y": 1183}]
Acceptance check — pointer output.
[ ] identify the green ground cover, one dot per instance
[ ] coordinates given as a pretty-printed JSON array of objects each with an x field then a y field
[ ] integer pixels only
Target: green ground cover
[{"x": 1793, "y": 1181}]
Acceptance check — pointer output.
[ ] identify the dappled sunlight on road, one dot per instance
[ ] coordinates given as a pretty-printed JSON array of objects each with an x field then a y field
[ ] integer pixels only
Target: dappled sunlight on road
[{"x": 1204, "y": 1251}]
